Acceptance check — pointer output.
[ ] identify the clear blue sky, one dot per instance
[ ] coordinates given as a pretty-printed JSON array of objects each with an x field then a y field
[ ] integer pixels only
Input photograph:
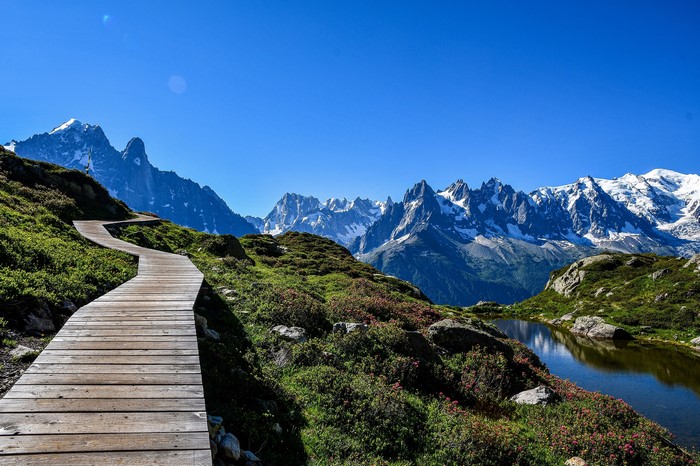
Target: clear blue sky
[{"x": 330, "y": 98}]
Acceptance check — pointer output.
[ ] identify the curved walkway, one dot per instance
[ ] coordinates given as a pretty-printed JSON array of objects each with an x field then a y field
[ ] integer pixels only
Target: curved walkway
[{"x": 120, "y": 383}]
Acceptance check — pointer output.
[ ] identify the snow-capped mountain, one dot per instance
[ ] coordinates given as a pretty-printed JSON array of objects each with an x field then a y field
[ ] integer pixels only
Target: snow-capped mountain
[
  {"x": 341, "y": 220},
  {"x": 462, "y": 245},
  {"x": 129, "y": 176}
]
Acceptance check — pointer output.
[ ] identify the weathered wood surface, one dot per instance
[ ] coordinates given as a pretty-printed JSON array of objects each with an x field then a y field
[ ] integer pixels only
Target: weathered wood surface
[{"x": 120, "y": 383}]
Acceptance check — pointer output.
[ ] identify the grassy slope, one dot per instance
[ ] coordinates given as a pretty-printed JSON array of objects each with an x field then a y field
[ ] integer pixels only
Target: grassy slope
[
  {"x": 630, "y": 297},
  {"x": 375, "y": 398},
  {"x": 43, "y": 259}
]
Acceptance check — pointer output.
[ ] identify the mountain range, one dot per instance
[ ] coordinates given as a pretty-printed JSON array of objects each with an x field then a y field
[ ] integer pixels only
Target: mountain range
[
  {"x": 460, "y": 245},
  {"x": 129, "y": 176}
]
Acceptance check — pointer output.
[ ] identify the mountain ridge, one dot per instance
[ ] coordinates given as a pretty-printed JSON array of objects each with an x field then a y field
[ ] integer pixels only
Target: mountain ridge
[{"x": 130, "y": 176}]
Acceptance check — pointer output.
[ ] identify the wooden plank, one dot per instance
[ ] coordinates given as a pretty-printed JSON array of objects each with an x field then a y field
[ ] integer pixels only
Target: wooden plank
[
  {"x": 118, "y": 352},
  {"x": 38, "y": 368},
  {"x": 142, "y": 338},
  {"x": 100, "y": 344},
  {"x": 102, "y": 359},
  {"x": 126, "y": 332},
  {"x": 105, "y": 391},
  {"x": 136, "y": 458},
  {"x": 110, "y": 379},
  {"x": 107, "y": 324},
  {"x": 93, "y": 405},
  {"x": 101, "y": 423}
]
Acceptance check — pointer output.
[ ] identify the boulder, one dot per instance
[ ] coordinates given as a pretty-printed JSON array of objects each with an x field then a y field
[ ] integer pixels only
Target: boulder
[
  {"x": 457, "y": 337},
  {"x": 229, "y": 447},
  {"x": 68, "y": 307},
  {"x": 349, "y": 327},
  {"x": 39, "y": 320},
  {"x": 210, "y": 334},
  {"x": 595, "y": 327},
  {"x": 567, "y": 282},
  {"x": 295, "y": 334},
  {"x": 565, "y": 318},
  {"x": 537, "y": 396},
  {"x": 20, "y": 352},
  {"x": 694, "y": 263},
  {"x": 695, "y": 341},
  {"x": 200, "y": 320},
  {"x": 250, "y": 458},
  {"x": 660, "y": 273}
]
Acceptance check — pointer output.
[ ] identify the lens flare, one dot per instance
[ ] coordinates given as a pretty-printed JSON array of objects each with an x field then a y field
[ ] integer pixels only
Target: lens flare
[
  {"x": 106, "y": 20},
  {"x": 177, "y": 84}
]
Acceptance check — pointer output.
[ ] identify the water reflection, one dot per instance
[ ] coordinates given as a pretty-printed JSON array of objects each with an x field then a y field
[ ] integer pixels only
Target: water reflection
[{"x": 660, "y": 381}]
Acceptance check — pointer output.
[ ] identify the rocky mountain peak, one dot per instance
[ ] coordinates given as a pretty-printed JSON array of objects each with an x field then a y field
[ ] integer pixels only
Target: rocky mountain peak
[{"x": 135, "y": 152}]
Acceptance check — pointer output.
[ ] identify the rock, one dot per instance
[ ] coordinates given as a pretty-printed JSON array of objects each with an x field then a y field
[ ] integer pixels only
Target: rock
[
  {"x": 39, "y": 320},
  {"x": 600, "y": 291},
  {"x": 660, "y": 297},
  {"x": 349, "y": 327},
  {"x": 250, "y": 458},
  {"x": 282, "y": 357},
  {"x": 68, "y": 307},
  {"x": 295, "y": 334},
  {"x": 227, "y": 292},
  {"x": 214, "y": 448},
  {"x": 567, "y": 282},
  {"x": 230, "y": 447},
  {"x": 20, "y": 352},
  {"x": 214, "y": 424},
  {"x": 210, "y": 334},
  {"x": 695, "y": 341},
  {"x": 660, "y": 273},
  {"x": 575, "y": 461},
  {"x": 537, "y": 396},
  {"x": 634, "y": 262},
  {"x": 200, "y": 320},
  {"x": 456, "y": 337},
  {"x": 565, "y": 318},
  {"x": 595, "y": 327},
  {"x": 693, "y": 262}
]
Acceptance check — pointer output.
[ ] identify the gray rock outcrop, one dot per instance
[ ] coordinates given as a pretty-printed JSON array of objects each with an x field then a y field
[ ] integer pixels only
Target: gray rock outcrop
[
  {"x": 349, "y": 327},
  {"x": 537, "y": 396},
  {"x": 567, "y": 282},
  {"x": 694, "y": 263},
  {"x": 595, "y": 327},
  {"x": 457, "y": 337},
  {"x": 295, "y": 334}
]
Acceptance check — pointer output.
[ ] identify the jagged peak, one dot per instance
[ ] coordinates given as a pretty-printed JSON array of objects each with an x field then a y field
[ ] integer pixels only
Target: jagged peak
[
  {"x": 419, "y": 190},
  {"x": 135, "y": 151},
  {"x": 72, "y": 124}
]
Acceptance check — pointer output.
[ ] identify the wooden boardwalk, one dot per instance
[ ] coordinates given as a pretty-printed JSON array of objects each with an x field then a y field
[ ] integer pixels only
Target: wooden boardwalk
[{"x": 120, "y": 383}]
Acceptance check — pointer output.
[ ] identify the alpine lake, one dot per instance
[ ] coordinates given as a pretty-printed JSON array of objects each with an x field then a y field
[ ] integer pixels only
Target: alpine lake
[{"x": 660, "y": 381}]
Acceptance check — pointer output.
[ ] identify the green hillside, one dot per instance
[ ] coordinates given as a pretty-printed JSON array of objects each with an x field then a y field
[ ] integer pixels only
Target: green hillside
[
  {"x": 648, "y": 295},
  {"x": 384, "y": 396}
]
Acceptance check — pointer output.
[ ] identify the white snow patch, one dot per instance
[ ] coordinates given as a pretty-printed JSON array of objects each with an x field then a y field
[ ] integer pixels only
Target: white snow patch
[
  {"x": 137, "y": 161},
  {"x": 64, "y": 126},
  {"x": 11, "y": 145}
]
